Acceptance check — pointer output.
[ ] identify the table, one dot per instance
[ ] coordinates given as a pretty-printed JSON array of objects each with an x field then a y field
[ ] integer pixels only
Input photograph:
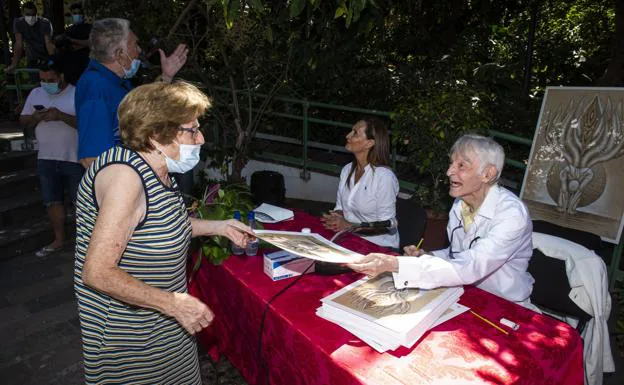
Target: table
[{"x": 300, "y": 348}]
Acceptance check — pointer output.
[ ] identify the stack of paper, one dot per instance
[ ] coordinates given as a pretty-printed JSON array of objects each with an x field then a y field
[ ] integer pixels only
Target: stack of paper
[
  {"x": 267, "y": 213},
  {"x": 386, "y": 318}
]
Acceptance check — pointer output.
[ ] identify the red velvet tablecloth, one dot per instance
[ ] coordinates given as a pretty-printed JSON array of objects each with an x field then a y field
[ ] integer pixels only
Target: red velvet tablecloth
[{"x": 300, "y": 348}]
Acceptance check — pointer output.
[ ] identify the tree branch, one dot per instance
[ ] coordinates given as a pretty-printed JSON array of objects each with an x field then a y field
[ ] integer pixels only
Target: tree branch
[{"x": 181, "y": 17}]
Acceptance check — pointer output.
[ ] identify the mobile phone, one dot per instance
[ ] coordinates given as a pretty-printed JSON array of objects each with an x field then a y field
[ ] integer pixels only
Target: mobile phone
[{"x": 38, "y": 107}]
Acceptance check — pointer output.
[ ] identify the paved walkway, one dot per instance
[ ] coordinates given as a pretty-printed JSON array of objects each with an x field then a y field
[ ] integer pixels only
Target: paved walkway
[{"x": 40, "y": 330}]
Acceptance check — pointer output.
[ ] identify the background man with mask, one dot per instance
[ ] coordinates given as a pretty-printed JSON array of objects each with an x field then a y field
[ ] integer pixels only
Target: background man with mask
[
  {"x": 73, "y": 46},
  {"x": 34, "y": 34},
  {"x": 114, "y": 61},
  {"x": 50, "y": 108}
]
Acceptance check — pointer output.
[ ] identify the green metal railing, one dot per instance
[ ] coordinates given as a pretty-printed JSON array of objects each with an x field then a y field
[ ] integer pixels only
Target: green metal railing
[
  {"x": 306, "y": 163},
  {"x": 19, "y": 87},
  {"x": 306, "y": 120}
]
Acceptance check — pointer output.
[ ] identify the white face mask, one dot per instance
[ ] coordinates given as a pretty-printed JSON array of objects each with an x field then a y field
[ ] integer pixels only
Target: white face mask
[
  {"x": 31, "y": 20},
  {"x": 189, "y": 157}
]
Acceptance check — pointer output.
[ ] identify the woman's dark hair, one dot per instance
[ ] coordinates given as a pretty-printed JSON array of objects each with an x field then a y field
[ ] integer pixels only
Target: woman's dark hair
[{"x": 378, "y": 155}]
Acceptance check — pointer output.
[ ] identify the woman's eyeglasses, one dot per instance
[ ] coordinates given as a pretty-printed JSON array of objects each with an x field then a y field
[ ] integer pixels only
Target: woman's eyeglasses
[
  {"x": 193, "y": 130},
  {"x": 451, "y": 252}
]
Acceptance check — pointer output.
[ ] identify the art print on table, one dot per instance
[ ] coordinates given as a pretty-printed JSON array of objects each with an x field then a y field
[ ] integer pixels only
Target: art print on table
[
  {"x": 576, "y": 167},
  {"x": 378, "y": 298},
  {"x": 308, "y": 245}
]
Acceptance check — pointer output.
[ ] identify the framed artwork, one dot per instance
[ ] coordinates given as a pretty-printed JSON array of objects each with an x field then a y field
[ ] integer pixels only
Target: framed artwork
[
  {"x": 575, "y": 173},
  {"x": 308, "y": 245}
]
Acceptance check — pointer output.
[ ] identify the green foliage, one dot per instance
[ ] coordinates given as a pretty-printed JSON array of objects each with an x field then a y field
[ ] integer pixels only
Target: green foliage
[
  {"x": 426, "y": 125},
  {"x": 443, "y": 67},
  {"x": 219, "y": 203}
]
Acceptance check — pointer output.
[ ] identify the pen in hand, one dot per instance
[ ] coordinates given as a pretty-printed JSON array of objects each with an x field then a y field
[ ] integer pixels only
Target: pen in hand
[{"x": 412, "y": 250}]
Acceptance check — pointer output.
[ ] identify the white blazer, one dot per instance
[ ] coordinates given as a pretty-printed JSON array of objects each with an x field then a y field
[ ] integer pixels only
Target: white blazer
[
  {"x": 587, "y": 275},
  {"x": 493, "y": 255},
  {"x": 371, "y": 199}
]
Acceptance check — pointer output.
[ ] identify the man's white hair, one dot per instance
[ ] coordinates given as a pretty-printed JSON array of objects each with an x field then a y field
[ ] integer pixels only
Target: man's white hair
[
  {"x": 487, "y": 151},
  {"x": 107, "y": 36}
]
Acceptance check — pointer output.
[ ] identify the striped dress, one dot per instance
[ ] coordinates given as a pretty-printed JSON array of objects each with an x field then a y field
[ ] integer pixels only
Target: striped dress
[{"x": 124, "y": 343}]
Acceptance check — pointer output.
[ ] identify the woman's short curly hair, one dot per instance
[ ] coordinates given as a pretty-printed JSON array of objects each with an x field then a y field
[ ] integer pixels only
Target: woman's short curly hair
[{"x": 156, "y": 111}]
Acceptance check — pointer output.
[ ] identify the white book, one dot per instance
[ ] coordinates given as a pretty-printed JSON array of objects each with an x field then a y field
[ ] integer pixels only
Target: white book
[
  {"x": 379, "y": 346},
  {"x": 267, "y": 213},
  {"x": 389, "y": 314},
  {"x": 381, "y": 343},
  {"x": 452, "y": 312}
]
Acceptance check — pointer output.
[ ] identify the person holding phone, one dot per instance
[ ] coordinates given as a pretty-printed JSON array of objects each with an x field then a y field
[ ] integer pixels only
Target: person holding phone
[{"x": 50, "y": 110}]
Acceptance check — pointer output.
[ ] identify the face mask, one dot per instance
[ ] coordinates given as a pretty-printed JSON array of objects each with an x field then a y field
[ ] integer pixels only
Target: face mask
[
  {"x": 189, "y": 157},
  {"x": 51, "y": 88},
  {"x": 31, "y": 20},
  {"x": 134, "y": 67},
  {"x": 77, "y": 19}
]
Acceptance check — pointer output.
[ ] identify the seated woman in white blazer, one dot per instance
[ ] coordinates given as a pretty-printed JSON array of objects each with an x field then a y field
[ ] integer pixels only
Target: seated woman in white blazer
[
  {"x": 489, "y": 230},
  {"x": 368, "y": 188}
]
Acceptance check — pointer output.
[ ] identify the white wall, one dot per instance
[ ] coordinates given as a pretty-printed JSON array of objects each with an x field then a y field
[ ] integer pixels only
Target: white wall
[{"x": 320, "y": 187}]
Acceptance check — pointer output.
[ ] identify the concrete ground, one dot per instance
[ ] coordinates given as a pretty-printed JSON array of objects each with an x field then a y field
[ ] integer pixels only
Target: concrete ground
[
  {"x": 39, "y": 327},
  {"x": 40, "y": 331}
]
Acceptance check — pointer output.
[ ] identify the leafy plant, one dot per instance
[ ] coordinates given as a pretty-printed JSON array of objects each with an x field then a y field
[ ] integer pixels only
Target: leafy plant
[
  {"x": 219, "y": 203},
  {"x": 426, "y": 126}
]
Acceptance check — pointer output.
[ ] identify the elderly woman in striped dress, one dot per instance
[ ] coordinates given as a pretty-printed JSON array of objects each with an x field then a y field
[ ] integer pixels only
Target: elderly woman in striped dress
[{"x": 133, "y": 234}]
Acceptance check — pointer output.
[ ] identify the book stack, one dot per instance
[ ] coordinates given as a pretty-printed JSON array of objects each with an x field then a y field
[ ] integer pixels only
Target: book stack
[{"x": 385, "y": 317}]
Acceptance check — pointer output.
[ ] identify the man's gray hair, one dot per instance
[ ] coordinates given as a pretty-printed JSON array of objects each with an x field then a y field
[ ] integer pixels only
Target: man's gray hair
[
  {"x": 488, "y": 152},
  {"x": 107, "y": 36}
]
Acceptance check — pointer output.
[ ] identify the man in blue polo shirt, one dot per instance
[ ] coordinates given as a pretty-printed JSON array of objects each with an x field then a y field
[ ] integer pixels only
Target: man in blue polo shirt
[{"x": 114, "y": 52}]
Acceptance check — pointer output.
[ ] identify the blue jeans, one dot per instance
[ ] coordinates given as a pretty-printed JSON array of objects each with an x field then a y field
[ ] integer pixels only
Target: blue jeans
[{"x": 58, "y": 178}]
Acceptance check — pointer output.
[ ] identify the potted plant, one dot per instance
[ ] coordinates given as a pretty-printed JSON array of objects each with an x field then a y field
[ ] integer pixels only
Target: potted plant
[{"x": 218, "y": 202}]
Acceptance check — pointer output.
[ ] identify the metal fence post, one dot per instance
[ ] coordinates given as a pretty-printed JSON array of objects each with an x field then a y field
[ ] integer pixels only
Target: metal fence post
[{"x": 305, "y": 173}]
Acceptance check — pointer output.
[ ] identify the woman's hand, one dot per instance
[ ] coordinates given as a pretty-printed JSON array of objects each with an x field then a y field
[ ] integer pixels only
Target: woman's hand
[
  {"x": 335, "y": 221},
  {"x": 375, "y": 264},
  {"x": 413, "y": 251},
  {"x": 236, "y": 231},
  {"x": 190, "y": 312}
]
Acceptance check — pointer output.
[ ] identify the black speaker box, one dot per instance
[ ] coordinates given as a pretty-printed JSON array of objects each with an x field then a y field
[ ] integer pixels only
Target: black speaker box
[{"x": 268, "y": 187}]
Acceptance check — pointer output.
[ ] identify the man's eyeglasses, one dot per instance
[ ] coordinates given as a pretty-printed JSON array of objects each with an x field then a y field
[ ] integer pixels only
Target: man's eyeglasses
[
  {"x": 451, "y": 252},
  {"x": 193, "y": 130}
]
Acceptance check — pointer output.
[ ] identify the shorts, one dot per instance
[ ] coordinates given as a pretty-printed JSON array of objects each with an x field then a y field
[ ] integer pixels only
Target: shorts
[{"x": 58, "y": 178}]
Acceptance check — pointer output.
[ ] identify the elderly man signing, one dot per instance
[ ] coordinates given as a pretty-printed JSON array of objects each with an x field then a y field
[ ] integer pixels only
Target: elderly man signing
[{"x": 489, "y": 230}]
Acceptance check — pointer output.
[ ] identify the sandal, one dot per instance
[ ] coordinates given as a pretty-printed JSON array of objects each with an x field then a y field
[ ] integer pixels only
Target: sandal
[{"x": 47, "y": 250}]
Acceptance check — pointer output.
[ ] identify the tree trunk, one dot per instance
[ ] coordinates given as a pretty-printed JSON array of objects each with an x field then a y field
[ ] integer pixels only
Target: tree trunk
[
  {"x": 57, "y": 8},
  {"x": 14, "y": 12},
  {"x": 6, "y": 55},
  {"x": 614, "y": 74},
  {"x": 528, "y": 66}
]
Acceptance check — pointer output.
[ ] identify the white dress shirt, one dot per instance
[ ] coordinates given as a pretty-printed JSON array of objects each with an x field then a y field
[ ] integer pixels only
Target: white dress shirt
[
  {"x": 371, "y": 199},
  {"x": 493, "y": 254}
]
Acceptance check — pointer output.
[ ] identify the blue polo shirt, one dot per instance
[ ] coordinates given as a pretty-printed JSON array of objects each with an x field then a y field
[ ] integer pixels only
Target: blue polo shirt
[{"x": 98, "y": 94}]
